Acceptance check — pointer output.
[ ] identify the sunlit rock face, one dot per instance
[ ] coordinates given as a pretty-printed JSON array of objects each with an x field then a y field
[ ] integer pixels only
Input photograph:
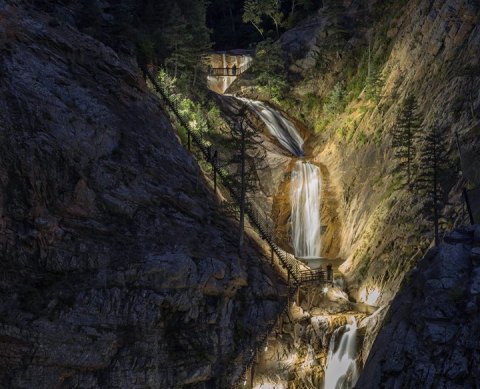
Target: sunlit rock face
[
  {"x": 318, "y": 344},
  {"x": 419, "y": 48},
  {"x": 118, "y": 268},
  {"x": 224, "y": 60},
  {"x": 431, "y": 337}
]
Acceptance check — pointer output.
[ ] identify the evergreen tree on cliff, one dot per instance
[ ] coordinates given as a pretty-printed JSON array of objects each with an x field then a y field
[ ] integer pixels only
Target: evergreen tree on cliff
[
  {"x": 187, "y": 40},
  {"x": 252, "y": 13},
  {"x": 433, "y": 161},
  {"x": 404, "y": 135},
  {"x": 243, "y": 163},
  {"x": 269, "y": 69}
]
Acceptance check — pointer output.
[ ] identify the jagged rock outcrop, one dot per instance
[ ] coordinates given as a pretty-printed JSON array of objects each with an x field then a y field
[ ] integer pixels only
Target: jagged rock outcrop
[
  {"x": 117, "y": 266},
  {"x": 430, "y": 337}
]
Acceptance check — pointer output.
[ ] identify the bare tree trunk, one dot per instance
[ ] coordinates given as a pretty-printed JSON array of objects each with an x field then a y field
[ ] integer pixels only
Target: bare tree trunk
[
  {"x": 369, "y": 59},
  {"x": 472, "y": 111},
  {"x": 276, "y": 27},
  {"x": 242, "y": 191},
  {"x": 194, "y": 76},
  {"x": 408, "y": 158},
  {"x": 175, "y": 64},
  {"x": 435, "y": 194},
  {"x": 258, "y": 29}
]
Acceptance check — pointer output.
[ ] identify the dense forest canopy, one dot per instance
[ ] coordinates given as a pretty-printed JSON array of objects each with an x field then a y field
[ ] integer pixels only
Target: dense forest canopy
[{"x": 177, "y": 34}]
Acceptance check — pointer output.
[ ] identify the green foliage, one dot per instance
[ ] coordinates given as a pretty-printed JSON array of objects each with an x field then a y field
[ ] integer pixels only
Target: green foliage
[
  {"x": 191, "y": 112},
  {"x": 404, "y": 134},
  {"x": 240, "y": 145},
  {"x": 252, "y": 13},
  {"x": 168, "y": 33},
  {"x": 311, "y": 102},
  {"x": 362, "y": 138},
  {"x": 356, "y": 75},
  {"x": 255, "y": 10},
  {"x": 335, "y": 102},
  {"x": 374, "y": 85},
  {"x": 269, "y": 69}
]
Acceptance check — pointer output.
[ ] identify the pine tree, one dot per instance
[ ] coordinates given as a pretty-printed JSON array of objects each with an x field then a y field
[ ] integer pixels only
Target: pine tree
[
  {"x": 244, "y": 160},
  {"x": 271, "y": 8},
  {"x": 178, "y": 40},
  {"x": 336, "y": 99},
  {"x": 252, "y": 13},
  {"x": 187, "y": 40},
  {"x": 404, "y": 133},
  {"x": 433, "y": 160},
  {"x": 269, "y": 68},
  {"x": 374, "y": 85}
]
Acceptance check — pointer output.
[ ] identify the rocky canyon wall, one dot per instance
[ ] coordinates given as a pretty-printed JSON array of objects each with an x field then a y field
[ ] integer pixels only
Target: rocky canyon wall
[
  {"x": 430, "y": 338},
  {"x": 425, "y": 48},
  {"x": 118, "y": 268}
]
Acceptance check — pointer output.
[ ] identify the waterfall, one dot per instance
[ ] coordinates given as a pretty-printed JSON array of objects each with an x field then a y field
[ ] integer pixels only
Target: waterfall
[
  {"x": 224, "y": 79},
  {"x": 305, "y": 217},
  {"x": 341, "y": 371},
  {"x": 278, "y": 126}
]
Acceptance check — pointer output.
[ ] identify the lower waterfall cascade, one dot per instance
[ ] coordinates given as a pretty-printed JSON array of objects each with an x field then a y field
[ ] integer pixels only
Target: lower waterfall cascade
[
  {"x": 338, "y": 369},
  {"x": 341, "y": 370}
]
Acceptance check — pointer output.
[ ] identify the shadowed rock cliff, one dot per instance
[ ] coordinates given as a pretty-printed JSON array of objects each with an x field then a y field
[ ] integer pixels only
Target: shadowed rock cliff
[
  {"x": 430, "y": 339},
  {"x": 117, "y": 267}
]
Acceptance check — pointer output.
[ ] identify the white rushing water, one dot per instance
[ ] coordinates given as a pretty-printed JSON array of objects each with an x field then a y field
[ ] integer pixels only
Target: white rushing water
[
  {"x": 278, "y": 126},
  {"x": 341, "y": 371},
  {"x": 305, "y": 217}
]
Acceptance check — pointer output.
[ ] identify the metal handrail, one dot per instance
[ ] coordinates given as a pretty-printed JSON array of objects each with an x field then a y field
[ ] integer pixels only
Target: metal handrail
[
  {"x": 288, "y": 261},
  {"x": 229, "y": 72}
]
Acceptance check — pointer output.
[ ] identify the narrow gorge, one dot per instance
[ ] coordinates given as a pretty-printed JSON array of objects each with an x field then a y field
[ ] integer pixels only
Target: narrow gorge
[
  {"x": 317, "y": 340},
  {"x": 239, "y": 194}
]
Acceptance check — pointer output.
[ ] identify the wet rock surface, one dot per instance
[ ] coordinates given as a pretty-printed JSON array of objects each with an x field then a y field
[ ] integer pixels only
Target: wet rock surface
[
  {"x": 118, "y": 269},
  {"x": 430, "y": 335}
]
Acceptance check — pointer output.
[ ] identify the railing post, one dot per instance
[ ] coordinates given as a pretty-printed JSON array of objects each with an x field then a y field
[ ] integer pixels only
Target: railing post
[
  {"x": 252, "y": 374},
  {"x": 214, "y": 163},
  {"x": 329, "y": 273},
  {"x": 469, "y": 209}
]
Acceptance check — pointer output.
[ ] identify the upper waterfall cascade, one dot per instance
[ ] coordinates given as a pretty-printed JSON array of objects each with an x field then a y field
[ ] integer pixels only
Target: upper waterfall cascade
[
  {"x": 305, "y": 216},
  {"x": 278, "y": 126},
  {"x": 305, "y": 183},
  {"x": 225, "y": 60}
]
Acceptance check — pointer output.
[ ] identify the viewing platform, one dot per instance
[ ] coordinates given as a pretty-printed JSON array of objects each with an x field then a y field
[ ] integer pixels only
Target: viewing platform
[
  {"x": 229, "y": 71},
  {"x": 226, "y": 66}
]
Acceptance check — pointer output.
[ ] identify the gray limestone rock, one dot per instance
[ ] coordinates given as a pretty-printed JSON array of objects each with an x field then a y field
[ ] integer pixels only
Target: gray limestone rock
[
  {"x": 118, "y": 268},
  {"x": 426, "y": 340}
]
